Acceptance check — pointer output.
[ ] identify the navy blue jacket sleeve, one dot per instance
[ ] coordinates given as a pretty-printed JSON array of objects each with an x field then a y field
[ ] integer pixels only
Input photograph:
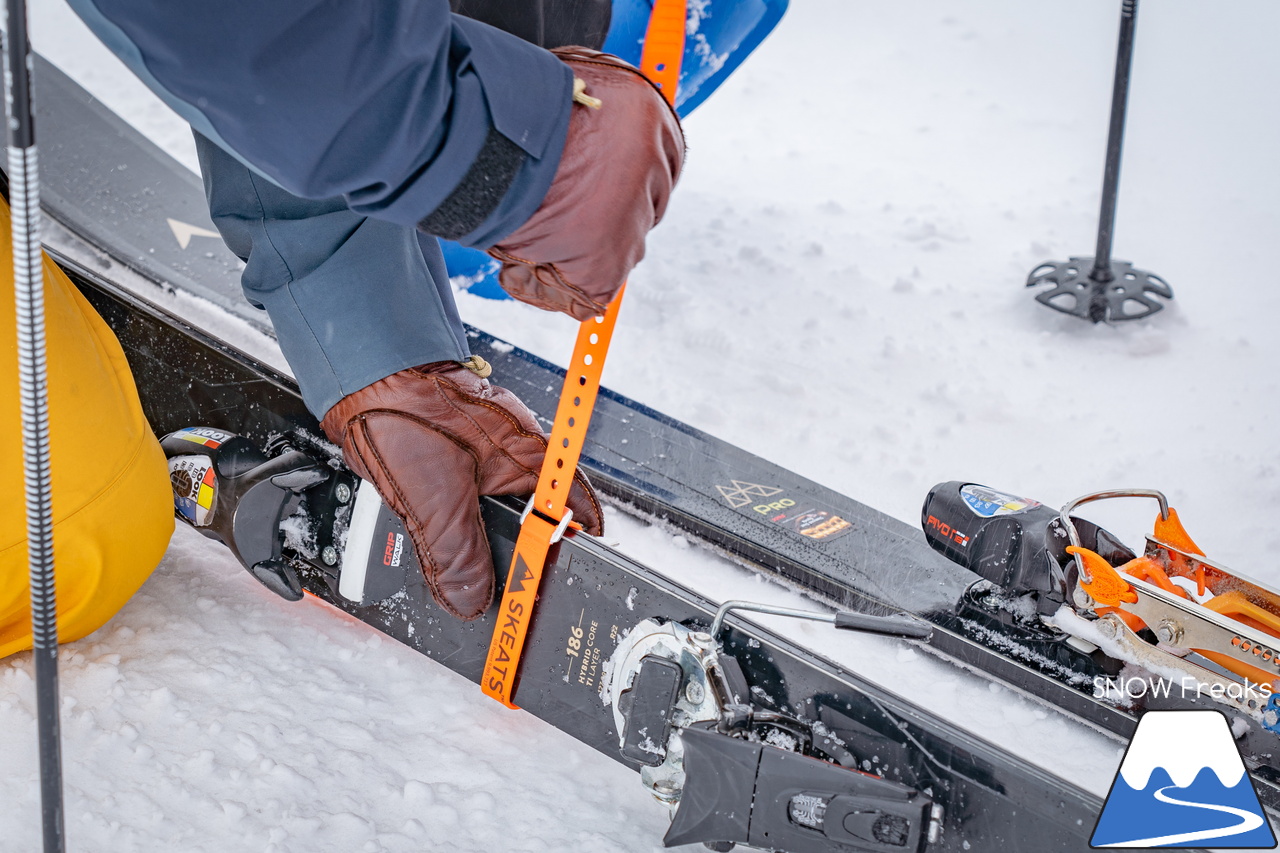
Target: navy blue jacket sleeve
[{"x": 387, "y": 103}]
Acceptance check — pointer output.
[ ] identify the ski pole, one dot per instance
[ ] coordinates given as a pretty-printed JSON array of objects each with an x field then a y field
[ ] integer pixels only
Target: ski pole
[
  {"x": 1101, "y": 271},
  {"x": 28, "y": 279},
  {"x": 1106, "y": 289}
]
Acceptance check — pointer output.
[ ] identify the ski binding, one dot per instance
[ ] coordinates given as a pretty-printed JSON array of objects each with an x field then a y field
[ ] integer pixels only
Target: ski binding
[
  {"x": 736, "y": 774},
  {"x": 1211, "y": 625},
  {"x": 1171, "y": 611}
]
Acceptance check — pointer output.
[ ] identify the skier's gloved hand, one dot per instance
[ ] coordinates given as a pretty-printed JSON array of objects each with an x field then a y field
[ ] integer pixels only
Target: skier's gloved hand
[
  {"x": 432, "y": 439},
  {"x": 621, "y": 160}
]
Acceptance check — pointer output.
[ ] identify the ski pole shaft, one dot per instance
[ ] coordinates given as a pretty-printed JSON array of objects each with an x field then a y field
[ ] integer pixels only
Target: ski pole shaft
[
  {"x": 1115, "y": 141},
  {"x": 24, "y": 198}
]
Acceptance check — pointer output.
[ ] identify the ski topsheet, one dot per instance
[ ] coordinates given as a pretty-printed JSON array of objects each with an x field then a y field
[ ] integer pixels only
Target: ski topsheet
[
  {"x": 927, "y": 784},
  {"x": 120, "y": 194}
]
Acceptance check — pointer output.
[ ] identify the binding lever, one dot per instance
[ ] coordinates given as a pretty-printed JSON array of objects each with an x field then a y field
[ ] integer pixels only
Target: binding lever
[
  {"x": 889, "y": 626},
  {"x": 231, "y": 491}
]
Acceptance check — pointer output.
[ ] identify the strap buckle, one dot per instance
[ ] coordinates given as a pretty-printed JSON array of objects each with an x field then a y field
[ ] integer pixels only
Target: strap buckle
[{"x": 561, "y": 527}]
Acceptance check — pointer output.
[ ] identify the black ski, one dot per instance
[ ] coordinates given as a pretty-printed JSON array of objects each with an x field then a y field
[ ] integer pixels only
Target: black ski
[
  {"x": 770, "y": 745},
  {"x": 749, "y": 508},
  {"x": 149, "y": 217}
]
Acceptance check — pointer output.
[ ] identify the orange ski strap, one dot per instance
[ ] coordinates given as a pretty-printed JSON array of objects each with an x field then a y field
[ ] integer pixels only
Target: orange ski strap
[
  {"x": 546, "y": 517},
  {"x": 663, "y": 50}
]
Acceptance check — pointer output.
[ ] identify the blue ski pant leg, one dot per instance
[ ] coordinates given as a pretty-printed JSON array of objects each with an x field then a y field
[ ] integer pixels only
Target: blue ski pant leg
[{"x": 352, "y": 299}]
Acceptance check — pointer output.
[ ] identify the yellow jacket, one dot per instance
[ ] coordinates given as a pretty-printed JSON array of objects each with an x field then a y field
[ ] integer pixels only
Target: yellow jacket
[{"x": 112, "y": 504}]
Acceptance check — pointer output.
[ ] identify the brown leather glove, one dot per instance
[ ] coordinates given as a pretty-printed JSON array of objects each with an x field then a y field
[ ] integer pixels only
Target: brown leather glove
[
  {"x": 432, "y": 439},
  {"x": 620, "y": 163}
]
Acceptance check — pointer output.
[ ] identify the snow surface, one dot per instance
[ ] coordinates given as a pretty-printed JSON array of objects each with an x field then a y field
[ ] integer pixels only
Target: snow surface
[
  {"x": 838, "y": 288},
  {"x": 208, "y": 717}
]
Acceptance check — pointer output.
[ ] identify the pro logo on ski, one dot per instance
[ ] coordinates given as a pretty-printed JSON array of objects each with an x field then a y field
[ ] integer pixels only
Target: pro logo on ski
[{"x": 1182, "y": 784}]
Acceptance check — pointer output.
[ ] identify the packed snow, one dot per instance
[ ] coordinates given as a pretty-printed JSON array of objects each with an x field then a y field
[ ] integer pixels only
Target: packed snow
[{"x": 837, "y": 287}]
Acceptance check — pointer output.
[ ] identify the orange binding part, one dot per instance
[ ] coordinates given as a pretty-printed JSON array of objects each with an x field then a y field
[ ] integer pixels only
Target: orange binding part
[
  {"x": 545, "y": 519},
  {"x": 1106, "y": 587},
  {"x": 1171, "y": 532},
  {"x": 1242, "y": 669},
  {"x": 1234, "y": 605},
  {"x": 1147, "y": 569},
  {"x": 1142, "y": 568}
]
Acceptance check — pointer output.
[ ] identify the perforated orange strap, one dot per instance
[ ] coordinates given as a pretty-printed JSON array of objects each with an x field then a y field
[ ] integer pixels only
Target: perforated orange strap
[
  {"x": 546, "y": 517},
  {"x": 664, "y": 45}
]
